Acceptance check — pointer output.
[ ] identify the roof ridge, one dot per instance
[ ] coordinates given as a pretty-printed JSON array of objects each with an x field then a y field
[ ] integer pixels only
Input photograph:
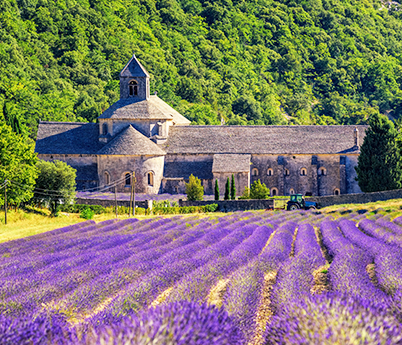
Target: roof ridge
[
  {"x": 133, "y": 141},
  {"x": 65, "y": 123},
  {"x": 271, "y": 126}
]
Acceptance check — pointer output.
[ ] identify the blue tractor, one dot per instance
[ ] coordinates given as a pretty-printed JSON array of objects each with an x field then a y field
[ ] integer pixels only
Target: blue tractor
[{"x": 297, "y": 202}]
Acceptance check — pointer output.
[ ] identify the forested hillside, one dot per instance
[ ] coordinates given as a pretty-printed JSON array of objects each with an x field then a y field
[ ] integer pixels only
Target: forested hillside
[{"x": 247, "y": 62}]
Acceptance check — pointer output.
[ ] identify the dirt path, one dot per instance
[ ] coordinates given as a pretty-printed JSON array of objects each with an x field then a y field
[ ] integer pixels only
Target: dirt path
[
  {"x": 162, "y": 297},
  {"x": 321, "y": 280},
  {"x": 265, "y": 310},
  {"x": 215, "y": 296}
]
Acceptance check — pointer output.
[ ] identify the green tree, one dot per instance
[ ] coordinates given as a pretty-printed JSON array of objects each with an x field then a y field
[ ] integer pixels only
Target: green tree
[
  {"x": 194, "y": 189},
  {"x": 233, "y": 189},
  {"x": 246, "y": 193},
  {"x": 379, "y": 164},
  {"x": 227, "y": 190},
  {"x": 216, "y": 190},
  {"x": 18, "y": 166},
  {"x": 259, "y": 190},
  {"x": 55, "y": 184}
]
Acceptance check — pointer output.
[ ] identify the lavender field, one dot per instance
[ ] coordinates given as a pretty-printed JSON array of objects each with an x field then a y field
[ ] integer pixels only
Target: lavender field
[{"x": 246, "y": 278}]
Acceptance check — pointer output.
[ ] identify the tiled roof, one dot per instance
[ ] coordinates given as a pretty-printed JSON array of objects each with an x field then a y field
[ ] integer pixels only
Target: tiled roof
[
  {"x": 68, "y": 138},
  {"x": 134, "y": 69},
  {"x": 153, "y": 108},
  {"x": 131, "y": 142},
  {"x": 231, "y": 163},
  {"x": 263, "y": 139}
]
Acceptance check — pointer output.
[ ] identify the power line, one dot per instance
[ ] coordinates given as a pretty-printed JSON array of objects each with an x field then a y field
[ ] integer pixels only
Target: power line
[{"x": 57, "y": 192}]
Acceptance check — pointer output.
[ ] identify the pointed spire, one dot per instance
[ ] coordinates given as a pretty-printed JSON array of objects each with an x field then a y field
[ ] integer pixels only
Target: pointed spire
[{"x": 134, "y": 69}]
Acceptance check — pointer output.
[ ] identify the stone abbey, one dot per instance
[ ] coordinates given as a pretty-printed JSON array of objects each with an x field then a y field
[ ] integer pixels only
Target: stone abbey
[{"x": 141, "y": 133}]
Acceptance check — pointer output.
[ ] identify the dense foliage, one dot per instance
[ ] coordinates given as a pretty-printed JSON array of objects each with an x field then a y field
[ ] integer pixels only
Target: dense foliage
[
  {"x": 194, "y": 189},
  {"x": 257, "y": 190},
  {"x": 55, "y": 184},
  {"x": 241, "y": 62},
  {"x": 17, "y": 166},
  {"x": 379, "y": 166}
]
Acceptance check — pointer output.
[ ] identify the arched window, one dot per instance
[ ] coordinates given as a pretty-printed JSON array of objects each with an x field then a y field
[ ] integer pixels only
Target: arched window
[
  {"x": 107, "y": 178},
  {"x": 303, "y": 171},
  {"x": 254, "y": 172},
  {"x": 133, "y": 88},
  {"x": 337, "y": 191},
  {"x": 322, "y": 171},
  {"x": 127, "y": 177},
  {"x": 286, "y": 172},
  {"x": 274, "y": 191},
  {"x": 291, "y": 191},
  {"x": 270, "y": 172},
  {"x": 104, "y": 129},
  {"x": 150, "y": 177}
]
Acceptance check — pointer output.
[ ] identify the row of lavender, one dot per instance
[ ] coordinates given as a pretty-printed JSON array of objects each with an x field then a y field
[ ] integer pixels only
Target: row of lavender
[{"x": 103, "y": 277}]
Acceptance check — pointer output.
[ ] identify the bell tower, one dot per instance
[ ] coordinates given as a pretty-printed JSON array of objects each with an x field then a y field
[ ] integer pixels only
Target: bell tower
[{"x": 134, "y": 81}]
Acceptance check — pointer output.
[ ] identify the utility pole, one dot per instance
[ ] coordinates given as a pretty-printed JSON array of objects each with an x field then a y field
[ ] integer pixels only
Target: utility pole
[
  {"x": 131, "y": 195},
  {"x": 115, "y": 199},
  {"x": 5, "y": 202},
  {"x": 134, "y": 180}
]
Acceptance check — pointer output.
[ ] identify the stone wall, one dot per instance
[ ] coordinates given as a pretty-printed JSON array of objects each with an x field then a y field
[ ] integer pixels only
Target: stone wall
[
  {"x": 286, "y": 173},
  {"x": 242, "y": 180},
  {"x": 142, "y": 88},
  {"x": 360, "y": 198},
  {"x": 233, "y": 205},
  {"x": 117, "y": 166},
  {"x": 108, "y": 203}
]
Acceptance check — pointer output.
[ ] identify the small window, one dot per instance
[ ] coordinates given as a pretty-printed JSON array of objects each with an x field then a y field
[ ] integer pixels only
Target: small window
[
  {"x": 322, "y": 171},
  {"x": 133, "y": 88},
  {"x": 107, "y": 178},
  {"x": 254, "y": 172},
  {"x": 270, "y": 172},
  {"x": 274, "y": 191},
  {"x": 303, "y": 171},
  {"x": 337, "y": 191},
  {"x": 150, "y": 176},
  {"x": 286, "y": 172},
  {"x": 291, "y": 191},
  {"x": 104, "y": 129},
  {"x": 128, "y": 179}
]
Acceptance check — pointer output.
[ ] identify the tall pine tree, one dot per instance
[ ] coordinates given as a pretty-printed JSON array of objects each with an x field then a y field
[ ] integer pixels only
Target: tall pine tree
[
  {"x": 233, "y": 189},
  {"x": 227, "y": 189},
  {"x": 379, "y": 166}
]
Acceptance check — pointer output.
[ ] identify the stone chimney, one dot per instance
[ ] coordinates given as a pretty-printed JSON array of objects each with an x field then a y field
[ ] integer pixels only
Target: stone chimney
[{"x": 356, "y": 137}]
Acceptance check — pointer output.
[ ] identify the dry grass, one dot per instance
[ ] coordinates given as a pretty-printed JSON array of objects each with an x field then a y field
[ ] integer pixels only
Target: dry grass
[
  {"x": 265, "y": 309},
  {"x": 22, "y": 224},
  {"x": 217, "y": 292},
  {"x": 321, "y": 280},
  {"x": 162, "y": 297}
]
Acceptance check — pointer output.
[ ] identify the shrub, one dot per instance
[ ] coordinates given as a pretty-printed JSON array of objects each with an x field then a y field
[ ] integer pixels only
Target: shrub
[
  {"x": 246, "y": 194},
  {"x": 87, "y": 213},
  {"x": 194, "y": 189},
  {"x": 259, "y": 190}
]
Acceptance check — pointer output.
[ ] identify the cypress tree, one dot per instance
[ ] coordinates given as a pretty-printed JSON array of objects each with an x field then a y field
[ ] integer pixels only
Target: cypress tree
[
  {"x": 233, "y": 189},
  {"x": 227, "y": 189},
  {"x": 379, "y": 167},
  {"x": 216, "y": 190}
]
